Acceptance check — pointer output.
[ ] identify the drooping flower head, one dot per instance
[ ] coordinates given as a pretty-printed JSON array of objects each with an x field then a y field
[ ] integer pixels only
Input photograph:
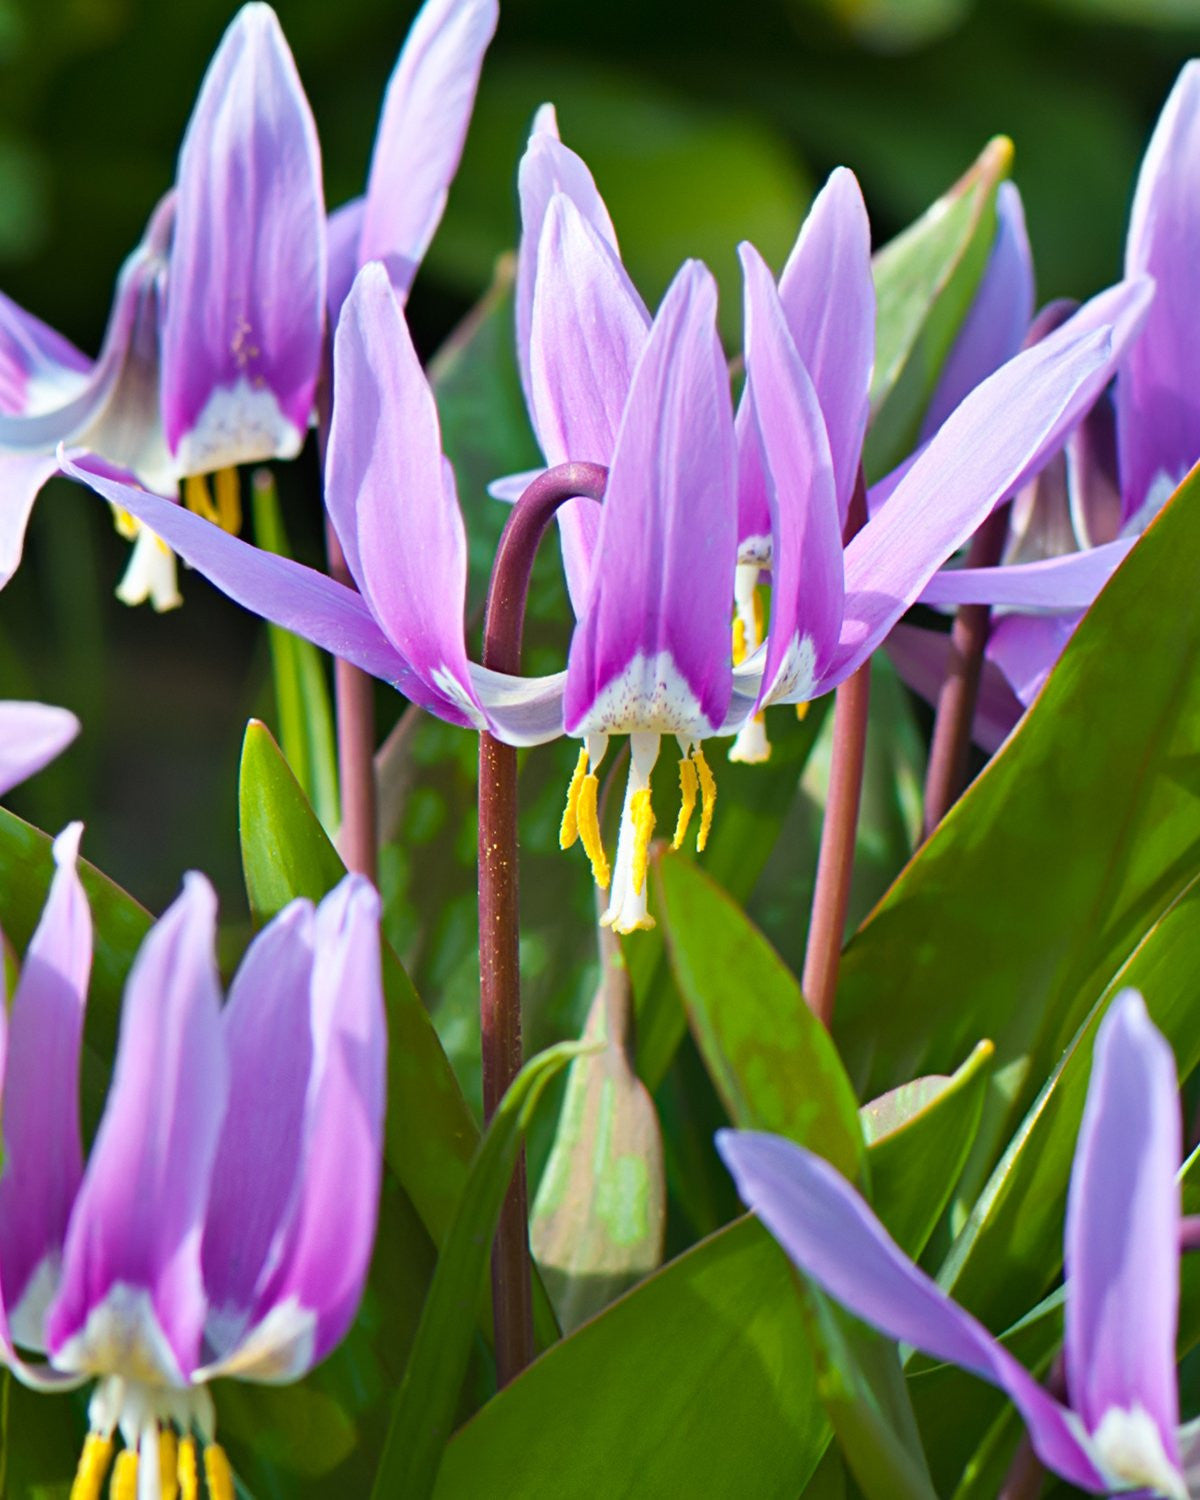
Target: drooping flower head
[
  {"x": 1119, "y": 1431},
  {"x": 223, "y": 1221}
]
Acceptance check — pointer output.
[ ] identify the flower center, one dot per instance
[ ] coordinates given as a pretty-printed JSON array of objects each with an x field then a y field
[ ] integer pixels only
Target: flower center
[{"x": 160, "y": 1427}]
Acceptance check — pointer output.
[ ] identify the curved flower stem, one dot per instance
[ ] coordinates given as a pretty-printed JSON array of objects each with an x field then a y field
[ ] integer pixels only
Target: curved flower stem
[
  {"x": 499, "y": 969},
  {"x": 948, "y": 751},
  {"x": 835, "y": 862}
]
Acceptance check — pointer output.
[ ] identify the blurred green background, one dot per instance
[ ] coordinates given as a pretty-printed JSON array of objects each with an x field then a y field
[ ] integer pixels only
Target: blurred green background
[{"x": 704, "y": 123}]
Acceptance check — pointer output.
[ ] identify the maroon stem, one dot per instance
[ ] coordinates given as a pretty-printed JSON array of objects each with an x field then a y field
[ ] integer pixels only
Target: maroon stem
[
  {"x": 951, "y": 744},
  {"x": 499, "y": 924},
  {"x": 835, "y": 862}
]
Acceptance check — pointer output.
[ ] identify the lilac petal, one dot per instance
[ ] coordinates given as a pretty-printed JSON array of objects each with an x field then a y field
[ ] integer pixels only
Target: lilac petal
[
  {"x": 39, "y": 369},
  {"x": 922, "y": 657},
  {"x": 520, "y": 710},
  {"x": 31, "y": 735},
  {"x": 998, "y": 318},
  {"x": 343, "y": 229},
  {"x": 828, "y": 295},
  {"x": 651, "y": 650},
  {"x": 1000, "y": 435},
  {"x": 1122, "y": 1234},
  {"x": 300, "y": 599},
  {"x": 131, "y": 1277},
  {"x": 587, "y": 332},
  {"x": 391, "y": 492},
  {"x": 43, "y": 1151},
  {"x": 22, "y": 479},
  {"x": 1026, "y": 647},
  {"x": 806, "y": 550},
  {"x": 267, "y": 1032},
  {"x": 833, "y": 1237},
  {"x": 1158, "y": 387},
  {"x": 426, "y": 111},
  {"x": 548, "y": 167},
  {"x": 1093, "y": 484},
  {"x": 245, "y": 303},
  {"x": 1057, "y": 583},
  {"x": 313, "y": 1291},
  {"x": 513, "y": 486}
]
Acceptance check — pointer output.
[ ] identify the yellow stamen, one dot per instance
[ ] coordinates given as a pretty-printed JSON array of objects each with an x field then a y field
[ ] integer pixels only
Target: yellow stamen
[
  {"x": 127, "y": 526},
  {"x": 189, "y": 1478},
  {"x": 642, "y": 814},
  {"x": 568, "y": 830},
  {"x": 229, "y": 500},
  {"x": 197, "y": 498},
  {"x": 708, "y": 797},
  {"x": 93, "y": 1466},
  {"x": 168, "y": 1464},
  {"x": 802, "y": 710},
  {"x": 125, "y": 1475},
  {"x": 688, "y": 786},
  {"x": 757, "y": 606},
  {"x": 739, "y": 640},
  {"x": 217, "y": 1473},
  {"x": 589, "y": 830}
]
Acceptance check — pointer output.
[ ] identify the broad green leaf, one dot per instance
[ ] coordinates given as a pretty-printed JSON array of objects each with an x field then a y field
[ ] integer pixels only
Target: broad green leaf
[
  {"x": 600, "y": 1214},
  {"x": 919, "y": 1136},
  {"x": 700, "y": 1381},
  {"x": 423, "y": 1414},
  {"x": 1024, "y": 903},
  {"x": 298, "y": 670},
  {"x": 770, "y": 1059},
  {"x": 924, "y": 282},
  {"x": 431, "y": 1135}
]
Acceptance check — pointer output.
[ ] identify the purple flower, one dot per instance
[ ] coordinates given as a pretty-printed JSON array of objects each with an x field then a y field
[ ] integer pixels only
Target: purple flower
[
  {"x": 31, "y": 735},
  {"x": 1119, "y": 1430},
  {"x": 223, "y": 1222}
]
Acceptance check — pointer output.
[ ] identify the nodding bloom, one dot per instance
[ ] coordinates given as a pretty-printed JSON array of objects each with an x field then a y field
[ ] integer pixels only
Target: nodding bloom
[
  {"x": 1119, "y": 1429},
  {"x": 31, "y": 735},
  {"x": 223, "y": 1222},
  {"x": 214, "y": 346}
]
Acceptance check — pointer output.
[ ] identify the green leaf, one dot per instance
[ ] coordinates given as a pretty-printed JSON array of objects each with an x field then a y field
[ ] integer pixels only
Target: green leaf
[
  {"x": 425, "y": 1404},
  {"x": 924, "y": 282},
  {"x": 919, "y": 1136},
  {"x": 1037, "y": 886},
  {"x": 298, "y": 669},
  {"x": 770, "y": 1059},
  {"x": 600, "y": 1214},
  {"x": 698, "y": 1382}
]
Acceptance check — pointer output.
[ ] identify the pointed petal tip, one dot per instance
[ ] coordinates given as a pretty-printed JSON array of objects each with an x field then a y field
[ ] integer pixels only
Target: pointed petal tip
[
  {"x": 545, "y": 122},
  {"x": 66, "y": 845}
]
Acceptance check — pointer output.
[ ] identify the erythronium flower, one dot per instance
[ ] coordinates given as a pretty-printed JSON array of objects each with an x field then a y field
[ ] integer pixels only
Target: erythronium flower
[
  {"x": 31, "y": 735},
  {"x": 224, "y": 1220},
  {"x": 1119, "y": 1431}
]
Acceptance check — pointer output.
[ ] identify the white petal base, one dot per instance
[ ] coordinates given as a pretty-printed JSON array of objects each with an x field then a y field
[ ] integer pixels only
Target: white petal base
[
  {"x": 240, "y": 424},
  {"x": 1129, "y": 1451}
]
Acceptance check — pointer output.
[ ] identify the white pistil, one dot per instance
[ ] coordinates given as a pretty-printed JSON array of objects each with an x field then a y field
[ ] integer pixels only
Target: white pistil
[
  {"x": 627, "y": 909},
  {"x": 150, "y": 574}
]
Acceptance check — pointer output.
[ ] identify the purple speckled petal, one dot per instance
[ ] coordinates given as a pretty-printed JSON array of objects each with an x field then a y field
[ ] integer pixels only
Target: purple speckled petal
[
  {"x": 998, "y": 318},
  {"x": 310, "y": 1297},
  {"x": 1122, "y": 1232},
  {"x": 39, "y": 369},
  {"x": 922, "y": 656},
  {"x": 245, "y": 307},
  {"x": 832, "y": 1236},
  {"x": 1059, "y": 583},
  {"x": 43, "y": 1152},
  {"x": 31, "y": 735},
  {"x": 426, "y": 111},
  {"x": 651, "y": 650},
  {"x": 131, "y": 1285},
  {"x": 806, "y": 549},
  {"x": 267, "y": 1031},
  {"x": 388, "y": 481},
  {"x": 828, "y": 296},
  {"x": 1025, "y": 647},
  {"x": 1158, "y": 387}
]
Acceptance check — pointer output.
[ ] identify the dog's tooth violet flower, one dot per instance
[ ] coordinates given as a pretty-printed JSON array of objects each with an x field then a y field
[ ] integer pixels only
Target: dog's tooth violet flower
[{"x": 223, "y": 1222}]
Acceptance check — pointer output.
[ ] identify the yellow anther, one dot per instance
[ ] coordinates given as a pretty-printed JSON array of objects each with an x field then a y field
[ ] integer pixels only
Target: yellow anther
[
  {"x": 568, "y": 830},
  {"x": 168, "y": 1464},
  {"x": 757, "y": 606},
  {"x": 217, "y": 1473},
  {"x": 127, "y": 526},
  {"x": 229, "y": 500},
  {"x": 124, "y": 1485},
  {"x": 642, "y": 814},
  {"x": 688, "y": 787},
  {"x": 197, "y": 498},
  {"x": 93, "y": 1466},
  {"x": 186, "y": 1470},
  {"x": 739, "y": 640},
  {"x": 802, "y": 710},
  {"x": 589, "y": 830},
  {"x": 708, "y": 797}
]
